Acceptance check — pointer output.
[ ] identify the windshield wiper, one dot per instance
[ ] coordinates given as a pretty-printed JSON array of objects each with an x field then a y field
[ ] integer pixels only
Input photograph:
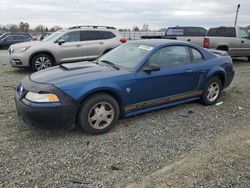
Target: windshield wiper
[{"x": 110, "y": 63}]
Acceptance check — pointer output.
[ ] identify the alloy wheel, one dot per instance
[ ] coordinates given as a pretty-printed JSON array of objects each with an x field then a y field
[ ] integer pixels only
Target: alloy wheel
[
  {"x": 42, "y": 63},
  {"x": 101, "y": 115},
  {"x": 213, "y": 91}
]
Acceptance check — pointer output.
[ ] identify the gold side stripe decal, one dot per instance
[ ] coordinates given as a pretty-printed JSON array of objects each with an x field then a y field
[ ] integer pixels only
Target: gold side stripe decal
[{"x": 161, "y": 101}]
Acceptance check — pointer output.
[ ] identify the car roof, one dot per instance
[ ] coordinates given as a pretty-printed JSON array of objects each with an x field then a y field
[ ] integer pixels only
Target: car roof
[
  {"x": 159, "y": 42},
  {"x": 185, "y": 27}
]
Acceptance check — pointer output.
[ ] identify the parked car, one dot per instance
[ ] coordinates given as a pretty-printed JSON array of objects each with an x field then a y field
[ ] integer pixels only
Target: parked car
[
  {"x": 234, "y": 40},
  {"x": 191, "y": 34},
  {"x": 13, "y": 39},
  {"x": 14, "y": 33},
  {"x": 67, "y": 45},
  {"x": 134, "y": 78}
]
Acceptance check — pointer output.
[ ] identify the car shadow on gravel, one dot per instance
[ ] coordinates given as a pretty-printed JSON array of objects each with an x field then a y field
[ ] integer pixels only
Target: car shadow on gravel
[
  {"x": 23, "y": 71},
  {"x": 240, "y": 60}
]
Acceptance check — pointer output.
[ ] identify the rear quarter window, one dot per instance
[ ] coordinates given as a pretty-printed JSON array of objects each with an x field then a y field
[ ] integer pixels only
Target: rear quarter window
[
  {"x": 222, "y": 32},
  {"x": 196, "y": 55},
  {"x": 107, "y": 35}
]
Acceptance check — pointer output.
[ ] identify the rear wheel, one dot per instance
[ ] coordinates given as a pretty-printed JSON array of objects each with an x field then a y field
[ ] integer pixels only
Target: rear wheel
[
  {"x": 98, "y": 114},
  {"x": 212, "y": 91},
  {"x": 41, "y": 61}
]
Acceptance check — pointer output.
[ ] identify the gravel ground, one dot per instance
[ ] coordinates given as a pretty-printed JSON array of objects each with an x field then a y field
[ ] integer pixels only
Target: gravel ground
[{"x": 184, "y": 146}]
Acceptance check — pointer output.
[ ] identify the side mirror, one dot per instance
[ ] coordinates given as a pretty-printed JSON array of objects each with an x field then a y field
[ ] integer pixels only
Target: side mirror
[
  {"x": 151, "y": 67},
  {"x": 60, "y": 41}
]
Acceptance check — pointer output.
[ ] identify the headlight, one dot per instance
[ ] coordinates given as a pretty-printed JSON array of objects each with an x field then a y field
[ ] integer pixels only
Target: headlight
[
  {"x": 23, "y": 49},
  {"x": 44, "y": 97},
  {"x": 11, "y": 50}
]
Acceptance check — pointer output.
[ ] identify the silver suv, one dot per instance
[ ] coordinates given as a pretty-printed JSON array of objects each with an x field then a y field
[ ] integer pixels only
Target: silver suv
[{"x": 79, "y": 43}]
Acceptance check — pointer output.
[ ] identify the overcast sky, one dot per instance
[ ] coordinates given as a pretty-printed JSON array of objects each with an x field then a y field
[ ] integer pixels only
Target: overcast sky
[{"x": 125, "y": 13}]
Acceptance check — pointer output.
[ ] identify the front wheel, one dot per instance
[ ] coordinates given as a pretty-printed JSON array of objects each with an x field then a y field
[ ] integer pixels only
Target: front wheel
[
  {"x": 98, "y": 114},
  {"x": 212, "y": 91},
  {"x": 41, "y": 61}
]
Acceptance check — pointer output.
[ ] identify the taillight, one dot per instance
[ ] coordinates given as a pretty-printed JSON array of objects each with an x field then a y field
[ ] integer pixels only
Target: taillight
[
  {"x": 206, "y": 43},
  {"x": 123, "y": 40}
]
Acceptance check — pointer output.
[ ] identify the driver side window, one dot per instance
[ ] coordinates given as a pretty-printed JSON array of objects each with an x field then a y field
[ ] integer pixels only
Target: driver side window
[
  {"x": 170, "y": 56},
  {"x": 71, "y": 37},
  {"x": 244, "y": 33}
]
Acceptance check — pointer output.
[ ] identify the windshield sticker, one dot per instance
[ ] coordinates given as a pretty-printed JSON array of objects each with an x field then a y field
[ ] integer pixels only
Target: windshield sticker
[{"x": 143, "y": 47}]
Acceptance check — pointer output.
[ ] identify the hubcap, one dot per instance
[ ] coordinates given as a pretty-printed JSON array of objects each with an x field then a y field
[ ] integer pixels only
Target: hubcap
[
  {"x": 101, "y": 115},
  {"x": 42, "y": 63},
  {"x": 213, "y": 91}
]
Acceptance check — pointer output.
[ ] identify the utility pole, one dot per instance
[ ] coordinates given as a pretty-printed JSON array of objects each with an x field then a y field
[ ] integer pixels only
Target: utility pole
[{"x": 236, "y": 17}]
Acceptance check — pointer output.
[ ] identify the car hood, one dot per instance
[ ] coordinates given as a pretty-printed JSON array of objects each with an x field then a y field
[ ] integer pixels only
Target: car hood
[{"x": 75, "y": 73}]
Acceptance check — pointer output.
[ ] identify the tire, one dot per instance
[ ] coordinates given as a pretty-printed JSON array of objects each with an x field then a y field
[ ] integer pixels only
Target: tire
[
  {"x": 96, "y": 122},
  {"x": 41, "y": 62},
  {"x": 211, "y": 92},
  {"x": 249, "y": 59}
]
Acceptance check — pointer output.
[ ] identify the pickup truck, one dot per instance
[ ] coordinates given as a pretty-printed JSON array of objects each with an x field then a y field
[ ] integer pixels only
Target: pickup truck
[
  {"x": 191, "y": 34},
  {"x": 234, "y": 40}
]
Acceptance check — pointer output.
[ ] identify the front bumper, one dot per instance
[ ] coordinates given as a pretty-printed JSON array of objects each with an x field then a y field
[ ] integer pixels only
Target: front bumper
[
  {"x": 19, "y": 60},
  {"x": 45, "y": 115},
  {"x": 229, "y": 79}
]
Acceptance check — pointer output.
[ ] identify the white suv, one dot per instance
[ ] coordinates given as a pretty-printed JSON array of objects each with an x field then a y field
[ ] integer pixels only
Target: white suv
[{"x": 79, "y": 43}]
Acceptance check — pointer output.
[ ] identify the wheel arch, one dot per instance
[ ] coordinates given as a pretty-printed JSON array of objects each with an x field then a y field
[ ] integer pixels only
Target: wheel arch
[
  {"x": 108, "y": 91},
  {"x": 220, "y": 73},
  {"x": 223, "y": 47},
  {"x": 42, "y": 52}
]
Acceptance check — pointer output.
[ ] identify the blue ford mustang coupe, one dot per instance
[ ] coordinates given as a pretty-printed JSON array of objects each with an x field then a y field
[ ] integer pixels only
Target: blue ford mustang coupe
[{"x": 134, "y": 78}]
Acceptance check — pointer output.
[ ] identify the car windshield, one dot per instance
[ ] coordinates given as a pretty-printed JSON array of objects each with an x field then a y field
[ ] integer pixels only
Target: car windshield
[
  {"x": 126, "y": 56},
  {"x": 53, "y": 35}
]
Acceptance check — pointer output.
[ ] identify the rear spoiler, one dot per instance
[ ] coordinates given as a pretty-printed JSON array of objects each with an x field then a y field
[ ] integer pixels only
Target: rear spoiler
[{"x": 218, "y": 52}]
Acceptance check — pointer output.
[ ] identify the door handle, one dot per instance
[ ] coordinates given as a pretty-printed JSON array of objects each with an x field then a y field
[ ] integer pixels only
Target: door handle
[
  {"x": 78, "y": 45},
  {"x": 101, "y": 43},
  {"x": 242, "y": 41},
  {"x": 189, "y": 71},
  {"x": 188, "y": 40}
]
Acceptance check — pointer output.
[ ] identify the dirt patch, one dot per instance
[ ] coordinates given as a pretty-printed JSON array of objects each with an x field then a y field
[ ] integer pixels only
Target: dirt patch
[{"x": 223, "y": 164}]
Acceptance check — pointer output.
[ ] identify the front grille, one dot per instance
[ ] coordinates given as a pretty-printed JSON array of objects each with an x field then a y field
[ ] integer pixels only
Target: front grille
[{"x": 16, "y": 62}]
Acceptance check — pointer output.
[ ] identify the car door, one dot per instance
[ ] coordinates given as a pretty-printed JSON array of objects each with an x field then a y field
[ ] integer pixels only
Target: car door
[
  {"x": 71, "y": 49},
  {"x": 175, "y": 79},
  {"x": 95, "y": 44},
  {"x": 244, "y": 44}
]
